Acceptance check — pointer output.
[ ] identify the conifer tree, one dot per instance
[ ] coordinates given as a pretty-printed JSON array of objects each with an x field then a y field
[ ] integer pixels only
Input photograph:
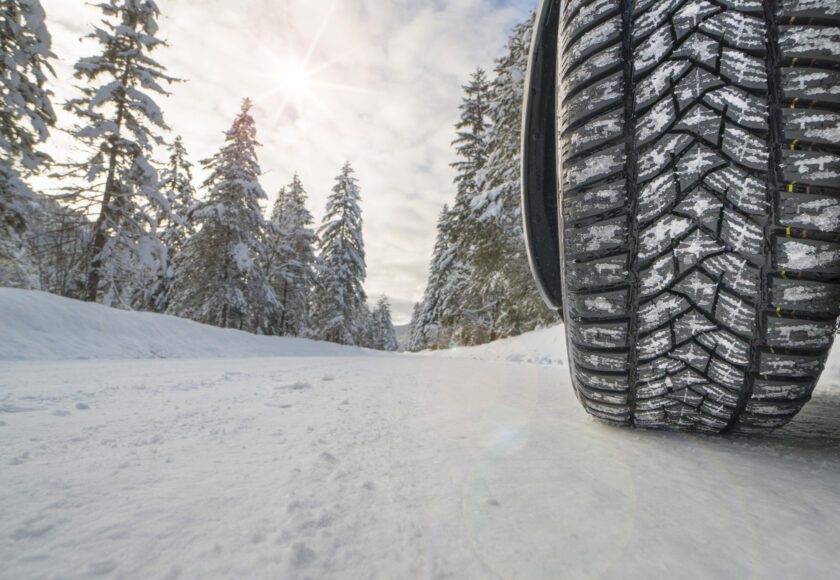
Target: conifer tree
[
  {"x": 448, "y": 277},
  {"x": 416, "y": 336},
  {"x": 501, "y": 279},
  {"x": 341, "y": 300},
  {"x": 382, "y": 327},
  {"x": 220, "y": 280},
  {"x": 175, "y": 220},
  {"x": 119, "y": 123},
  {"x": 25, "y": 117},
  {"x": 471, "y": 148},
  {"x": 290, "y": 260}
]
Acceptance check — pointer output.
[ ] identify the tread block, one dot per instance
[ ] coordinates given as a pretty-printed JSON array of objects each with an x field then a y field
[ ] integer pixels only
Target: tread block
[
  {"x": 600, "y": 130},
  {"x": 657, "y": 277},
  {"x": 596, "y": 200},
  {"x": 606, "y": 305},
  {"x": 598, "y": 237},
  {"x": 597, "y": 167},
  {"x": 809, "y": 84},
  {"x": 808, "y": 256},
  {"x": 811, "y": 42},
  {"x": 599, "y": 361},
  {"x": 738, "y": 314},
  {"x": 784, "y": 365},
  {"x": 603, "y": 335},
  {"x": 812, "y": 125},
  {"x": 805, "y": 296},
  {"x": 820, "y": 212},
  {"x": 700, "y": 289},
  {"x": 793, "y": 333},
  {"x": 764, "y": 390},
  {"x": 582, "y": 275},
  {"x": 591, "y": 42},
  {"x": 809, "y": 8},
  {"x": 661, "y": 310},
  {"x": 594, "y": 68},
  {"x": 591, "y": 101},
  {"x": 726, "y": 375},
  {"x": 743, "y": 190},
  {"x": 602, "y": 382},
  {"x": 656, "y": 196},
  {"x": 812, "y": 167},
  {"x": 660, "y": 236}
]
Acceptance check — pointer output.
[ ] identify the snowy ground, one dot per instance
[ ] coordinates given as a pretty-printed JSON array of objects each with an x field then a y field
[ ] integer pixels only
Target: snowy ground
[{"x": 475, "y": 464}]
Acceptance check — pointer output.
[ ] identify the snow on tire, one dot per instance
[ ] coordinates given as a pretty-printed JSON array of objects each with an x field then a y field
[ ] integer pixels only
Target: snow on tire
[{"x": 700, "y": 177}]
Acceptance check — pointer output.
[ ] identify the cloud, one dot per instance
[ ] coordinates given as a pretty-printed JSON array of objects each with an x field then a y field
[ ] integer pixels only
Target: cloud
[{"x": 387, "y": 95}]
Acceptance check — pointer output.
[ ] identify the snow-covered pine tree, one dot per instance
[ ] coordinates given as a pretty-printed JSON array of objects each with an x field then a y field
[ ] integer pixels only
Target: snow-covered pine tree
[
  {"x": 468, "y": 325},
  {"x": 382, "y": 325},
  {"x": 220, "y": 280},
  {"x": 448, "y": 277},
  {"x": 416, "y": 337},
  {"x": 341, "y": 300},
  {"x": 175, "y": 221},
  {"x": 501, "y": 278},
  {"x": 119, "y": 123},
  {"x": 452, "y": 314},
  {"x": 58, "y": 242},
  {"x": 25, "y": 117},
  {"x": 290, "y": 261}
]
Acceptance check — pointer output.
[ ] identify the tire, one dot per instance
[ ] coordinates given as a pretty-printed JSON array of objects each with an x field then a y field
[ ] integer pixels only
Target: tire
[{"x": 700, "y": 216}]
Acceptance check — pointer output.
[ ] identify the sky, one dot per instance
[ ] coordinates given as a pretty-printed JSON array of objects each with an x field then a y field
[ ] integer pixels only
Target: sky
[{"x": 373, "y": 82}]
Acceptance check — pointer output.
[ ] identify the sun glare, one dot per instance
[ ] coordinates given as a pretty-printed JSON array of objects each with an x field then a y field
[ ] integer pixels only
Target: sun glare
[{"x": 295, "y": 80}]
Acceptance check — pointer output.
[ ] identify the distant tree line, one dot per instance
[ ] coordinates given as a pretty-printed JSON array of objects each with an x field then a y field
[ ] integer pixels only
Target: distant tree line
[
  {"x": 480, "y": 287},
  {"x": 133, "y": 232}
]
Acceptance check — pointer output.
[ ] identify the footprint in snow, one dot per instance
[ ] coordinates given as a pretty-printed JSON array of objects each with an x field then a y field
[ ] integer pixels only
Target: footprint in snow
[
  {"x": 20, "y": 459},
  {"x": 294, "y": 387},
  {"x": 82, "y": 406},
  {"x": 302, "y": 555},
  {"x": 329, "y": 458}
]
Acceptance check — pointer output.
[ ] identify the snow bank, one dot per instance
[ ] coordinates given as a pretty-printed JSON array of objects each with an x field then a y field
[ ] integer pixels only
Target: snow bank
[
  {"x": 40, "y": 326},
  {"x": 546, "y": 346}
]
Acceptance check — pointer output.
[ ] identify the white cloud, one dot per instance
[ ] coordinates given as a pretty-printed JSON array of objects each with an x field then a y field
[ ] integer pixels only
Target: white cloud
[{"x": 402, "y": 63}]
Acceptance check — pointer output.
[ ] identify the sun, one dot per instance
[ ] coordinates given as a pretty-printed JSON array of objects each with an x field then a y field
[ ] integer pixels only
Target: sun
[{"x": 294, "y": 79}]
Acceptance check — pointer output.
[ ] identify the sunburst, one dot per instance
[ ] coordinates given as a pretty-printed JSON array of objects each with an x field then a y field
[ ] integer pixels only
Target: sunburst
[{"x": 298, "y": 81}]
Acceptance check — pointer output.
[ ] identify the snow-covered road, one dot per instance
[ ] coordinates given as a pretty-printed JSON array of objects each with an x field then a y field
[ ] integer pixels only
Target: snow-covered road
[{"x": 378, "y": 466}]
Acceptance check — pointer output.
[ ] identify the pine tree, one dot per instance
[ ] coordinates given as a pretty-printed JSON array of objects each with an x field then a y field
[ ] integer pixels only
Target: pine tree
[
  {"x": 449, "y": 307},
  {"x": 119, "y": 123},
  {"x": 290, "y": 260},
  {"x": 471, "y": 147},
  {"x": 220, "y": 280},
  {"x": 25, "y": 117},
  {"x": 501, "y": 279},
  {"x": 448, "y": 278},
  {"x": 58, "y": 244},
  {"x": 341, "y": 300},
  {"x": 175, "y": 221},
  {"x": 382, "y": 327},
  {"x": 416, "y": 336}
]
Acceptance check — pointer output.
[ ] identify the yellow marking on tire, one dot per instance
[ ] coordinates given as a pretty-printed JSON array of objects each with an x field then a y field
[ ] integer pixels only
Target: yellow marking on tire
[
  {"x": 787, "y": 230},
  {"x": 793, "y": 144},
  {"x": 793, "y": 104}
]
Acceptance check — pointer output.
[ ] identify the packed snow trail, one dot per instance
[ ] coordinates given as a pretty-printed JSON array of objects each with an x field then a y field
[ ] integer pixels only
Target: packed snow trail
[{"x": 378, "y": 466}]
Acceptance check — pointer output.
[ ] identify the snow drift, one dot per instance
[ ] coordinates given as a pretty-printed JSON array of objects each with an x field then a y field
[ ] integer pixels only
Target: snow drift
[{"x": 40, "y": 326}]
